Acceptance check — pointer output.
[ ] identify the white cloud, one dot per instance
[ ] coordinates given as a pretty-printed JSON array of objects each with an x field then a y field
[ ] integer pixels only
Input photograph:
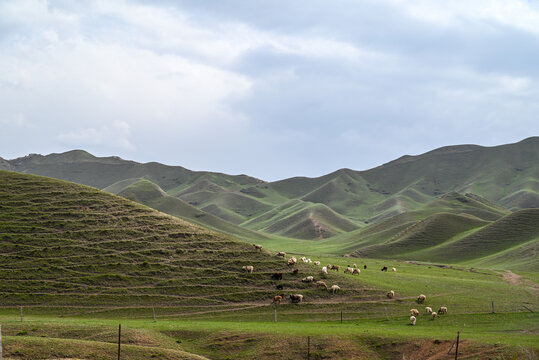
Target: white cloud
[
  {"x": 115, "y": 135},
  {"x": 16, "y": 120},
  {"x": 518, "y": 14}
]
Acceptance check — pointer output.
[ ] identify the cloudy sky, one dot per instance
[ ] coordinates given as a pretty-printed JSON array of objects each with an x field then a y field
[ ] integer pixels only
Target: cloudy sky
[{"x": 269, "y": 88}]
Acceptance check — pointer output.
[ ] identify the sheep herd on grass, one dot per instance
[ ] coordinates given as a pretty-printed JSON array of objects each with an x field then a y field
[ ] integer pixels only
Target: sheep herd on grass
[{"x": 298, "y": 298}]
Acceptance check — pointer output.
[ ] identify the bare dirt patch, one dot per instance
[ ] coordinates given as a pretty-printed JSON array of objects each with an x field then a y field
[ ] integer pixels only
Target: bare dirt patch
[{"x": 513, "y": 278}]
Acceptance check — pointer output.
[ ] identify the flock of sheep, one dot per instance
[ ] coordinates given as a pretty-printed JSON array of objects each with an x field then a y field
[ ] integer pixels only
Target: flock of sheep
[
  {"x": 414, "y": 312},
  {"x": 298, "y": 298}
]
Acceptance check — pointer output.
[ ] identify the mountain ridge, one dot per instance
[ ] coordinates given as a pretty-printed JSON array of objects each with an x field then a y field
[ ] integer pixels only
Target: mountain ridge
[{"x": 503, "y": 176}]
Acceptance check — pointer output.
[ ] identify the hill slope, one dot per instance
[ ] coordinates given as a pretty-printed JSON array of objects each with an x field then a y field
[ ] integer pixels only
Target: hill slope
[
  {"x": 145, "y": 192},
  {"x": 505, "y": 175},
  {"x": 509, "y": 242},
  {"x": 68, "y": 244}
]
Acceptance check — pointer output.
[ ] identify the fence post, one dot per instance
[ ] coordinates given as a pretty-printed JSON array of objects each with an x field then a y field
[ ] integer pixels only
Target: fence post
[
  {"x": 275, "y": 308},
  {"x": 153, "y": 310},
  {"x": 493, "y": 306},
  {"x": 308, "y": 347},
  {"x": 341, "y": 316},
  {"x": 457, "y": 348},
  {"x": 119, "y": 339},
  {"x": 21, "y": 314}
]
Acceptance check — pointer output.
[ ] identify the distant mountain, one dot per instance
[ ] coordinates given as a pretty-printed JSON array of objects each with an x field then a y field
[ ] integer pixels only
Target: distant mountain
[{"x": 344, "y": 205}]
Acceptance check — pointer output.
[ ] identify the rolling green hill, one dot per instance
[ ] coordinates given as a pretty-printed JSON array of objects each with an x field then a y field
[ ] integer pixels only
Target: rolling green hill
[
  {"x": 145, "y": 192},
  {"x": 302, "y": 220},
  {"x": 509, "y": 242},
  {"x": 66, "y": 244},
  {"x": 354, "y": 209}
]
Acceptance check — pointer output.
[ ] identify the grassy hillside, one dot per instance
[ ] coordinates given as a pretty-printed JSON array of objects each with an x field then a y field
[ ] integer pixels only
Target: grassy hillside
[
  {"x": 145, "y": 192},
  {"x": 302, "y": 220},
  {"x": 501, "y": 177},
  {"x": 509, "y": 242},
  {"x": 67, "y": 244}
]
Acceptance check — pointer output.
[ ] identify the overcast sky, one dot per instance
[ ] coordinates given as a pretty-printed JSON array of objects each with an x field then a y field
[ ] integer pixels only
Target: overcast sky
[{"x": 272, "y": 89}]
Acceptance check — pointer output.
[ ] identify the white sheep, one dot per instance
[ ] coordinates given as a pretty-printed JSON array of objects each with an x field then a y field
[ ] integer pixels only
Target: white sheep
[
  {"x": 349, "y": 270},
  {"x": 248, "y": 268},
  {"x": 414, "y": 312},
  {"x": 317, "y": 263},
  {"x": 292, "y": 261},
  {"x": 258, "y": 247},
  {"x": 303, "y": 258},
  {"x": 281, "y": 254},
  {"x": 308, "y": 279},
  {"x": 421, "y": 298},
  {"x": 442, "y": 310},
  {"x": 325, "y": 270},
  {"x": 334, "y": 289},
  {"x": 321, "y": 284},
  {"x": 393, "y": 269},
  {"x": 390, "y": 294},
  {"x": 412, "y": 320},
  {"x": 434, "y": 315},
  {"x": 354, "y": 266},
  {"x": 356, "y": 271},
  {"x": 428, "y": 310}
]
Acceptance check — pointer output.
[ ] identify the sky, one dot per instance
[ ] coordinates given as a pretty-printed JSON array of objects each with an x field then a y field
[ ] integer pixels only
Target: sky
[{"x": 269, "y": 88}]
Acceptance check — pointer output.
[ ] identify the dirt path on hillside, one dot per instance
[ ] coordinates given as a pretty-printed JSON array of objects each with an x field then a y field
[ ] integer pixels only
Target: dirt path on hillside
[{"x": 513, "y": 278}]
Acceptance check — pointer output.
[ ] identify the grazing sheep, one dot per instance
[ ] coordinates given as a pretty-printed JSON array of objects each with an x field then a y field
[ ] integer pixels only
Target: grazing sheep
[
  {"x": 412, "y": 320},
  {"x": 277, "y": 276},
  {"x": 248, "y": 268},
  {"x": 334, "y": 289},
  {"x": 390, "y": 294},
  {"x": 320, "y": 283},
  {"x": 309, "y": 261},
  {"x": 307, "y": 279},
  {"x": 364, "y": 267},
  {"x": 335, "y": 267},
  {"x": 393, "y": 269},
  {"x": 434, "y": 315},
  {"x": 384, "y": 268},
  {"x": 281, "y": 254},
  {"x": 304, "y": 259},
  {"x": 428, "y": 310},
  {"x": 296, "y": 298},
  {"x": 349, "y": 270},
  {"x": 442, "y": 310},
  {"x": 258, "y": 247},
  {"x": 356, "y": 271},
  {"x": 325, "y": 270},
  {"x": 295, "y": 272},
  {"x": 279, "y": 287},
  {"x": 317, "y": 263},
  {"x": 277, "y": 299},
  {"x": 354, "y": 266},
  {"x": 421, "y": 298},
  {"x": 414, "y": 312},
  {"x": 292, "y": 261}
]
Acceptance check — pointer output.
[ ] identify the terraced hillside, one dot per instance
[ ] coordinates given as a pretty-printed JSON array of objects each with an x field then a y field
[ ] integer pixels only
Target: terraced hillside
[
  {"x": 146, "y": 192},
  {"x": 64, "y": 244},
  {"x": 509, "y": 242}
]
